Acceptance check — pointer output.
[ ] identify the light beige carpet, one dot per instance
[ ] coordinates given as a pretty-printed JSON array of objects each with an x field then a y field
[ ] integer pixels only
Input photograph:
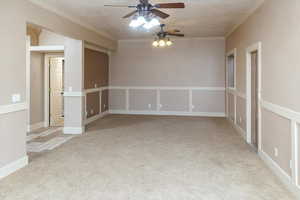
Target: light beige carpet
[{"x": 148, "y": 158}]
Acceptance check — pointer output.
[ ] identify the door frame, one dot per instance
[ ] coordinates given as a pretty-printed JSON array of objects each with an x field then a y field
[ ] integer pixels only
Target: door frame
[
  {"x": 255, "y": 47},
  {"x": 47, "y": 58},
  {"x": 231, "y": 53},
  {"x": 28, "y": 79}
]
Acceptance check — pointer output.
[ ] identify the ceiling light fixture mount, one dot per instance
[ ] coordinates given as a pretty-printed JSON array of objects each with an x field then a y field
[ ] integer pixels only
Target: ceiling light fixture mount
[
  {"x": 146, "y": 14},
  {"x": 162, "y": 39}
]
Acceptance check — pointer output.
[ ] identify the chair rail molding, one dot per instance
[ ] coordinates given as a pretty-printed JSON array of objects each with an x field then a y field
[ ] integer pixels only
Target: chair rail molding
[{"x": 5, "y": 109}]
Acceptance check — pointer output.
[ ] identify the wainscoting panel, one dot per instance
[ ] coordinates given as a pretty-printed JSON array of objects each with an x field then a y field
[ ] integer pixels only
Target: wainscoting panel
[
  {"x": 141, "y": 100},
  {"x": 174, "y": 100},
  {"x": 231, "y": 107},
  {"x": 277, "y": 137},
  {"x": 117, "y": 99},
  {"x": 208, "y": 101}
]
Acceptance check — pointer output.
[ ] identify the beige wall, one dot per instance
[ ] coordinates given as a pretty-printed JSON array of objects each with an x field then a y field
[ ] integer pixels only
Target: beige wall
[
  {"x": 96, "y": 74},
  {"x": 197, "y": 62},
  {"x": 37, "y": 88},
  {"x": 49, "y": 38},
  {"x": 190, "y": 62},
  {"x": 93, "y": 104},
  {"x": 95, "y": 69},
  {"x": 276, "y": 25},
  {"x": 14, "y": 14}
]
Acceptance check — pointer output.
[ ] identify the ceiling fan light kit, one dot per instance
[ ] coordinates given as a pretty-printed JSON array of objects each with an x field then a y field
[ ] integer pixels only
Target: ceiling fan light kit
[
  {"x": 146, "y": 16},
  {"x": 164, "y": 42},
  {"x": 141, "y": 21}
]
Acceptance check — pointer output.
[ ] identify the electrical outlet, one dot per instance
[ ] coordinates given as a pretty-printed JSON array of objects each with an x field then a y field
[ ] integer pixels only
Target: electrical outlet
[
  {"x": 96, "y": 85},
  {"x": 193, "y": 107},
  {"x": 160, "y": 106},
  {"x": 70, "y": 89},
  {"x": 149, "y": 106},
  {"x": 276, "y": 152},
  {"x": 92, "y": 112},
  {"x": 15, "y": 98}
]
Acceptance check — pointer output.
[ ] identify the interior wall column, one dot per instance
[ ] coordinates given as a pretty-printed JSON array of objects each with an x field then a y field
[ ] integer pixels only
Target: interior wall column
[{"x": 74, "y": 96}]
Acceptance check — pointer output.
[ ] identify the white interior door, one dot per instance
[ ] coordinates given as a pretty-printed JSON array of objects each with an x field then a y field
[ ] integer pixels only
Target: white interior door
[{"x": 56, "y": 91}]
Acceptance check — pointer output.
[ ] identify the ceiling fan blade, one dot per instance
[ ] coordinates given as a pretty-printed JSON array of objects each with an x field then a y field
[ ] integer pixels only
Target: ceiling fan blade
[
  {"x": 174, "y": 31},
  {"x": 170, "y": 5},
  {"x": 130, "y": 14},
  {"x": 120, "y": 6},
  {"x": 175, "y": 34},
  {"x": 160, "y": 13},
  {"x": 144, "y": 1}
]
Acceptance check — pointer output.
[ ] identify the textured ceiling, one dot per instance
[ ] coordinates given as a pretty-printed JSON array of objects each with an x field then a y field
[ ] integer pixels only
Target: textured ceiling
[{"x": 200, "y": 18}]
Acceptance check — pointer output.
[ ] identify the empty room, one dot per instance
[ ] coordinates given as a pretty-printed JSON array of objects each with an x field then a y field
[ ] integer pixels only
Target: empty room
[{"x": 150, "y": 99}]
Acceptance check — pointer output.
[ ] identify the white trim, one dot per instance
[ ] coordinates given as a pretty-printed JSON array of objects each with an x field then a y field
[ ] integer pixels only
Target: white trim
[
  {"x": 5, "y": 109},
  {"x": 12, "y": 167},
  {"x": 255, "y": 47},
  {"x": 96, "y": 117},
  {"x": 173, "y": 39},
  {"x": 236, "y": 93},
  {"x": 191, "y": 106},
  {"x": 158, "y": 105},
  {"x": 96, "y": 48},
  {"x": 28, "y": 77},
  {"x": 74, "y": 94},
  {"x": 93, "y": 90},
  {"x": 127, "y": 100},
  {"x": 168, "y": 113},
  {"x": 241, "y": 131},
  {"x": 295, "y": 152},
  {"x": 35, "y": 126},
  {"x": 282, "y": 111},
  {"x": 234, "y": 54},
  {"x": 294, "y": 118},
  {"x": 73, "y": 130},
  {"x": 166, "y": 88},
  {"x": 280, "y": 173},
  {"x": 50, "y": 48}
]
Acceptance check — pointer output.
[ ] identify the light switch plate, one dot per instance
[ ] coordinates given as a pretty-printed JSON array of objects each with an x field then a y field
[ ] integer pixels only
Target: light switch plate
[
  {"x": 276, "y": 152},
  {"x": 16, "y": 98}
]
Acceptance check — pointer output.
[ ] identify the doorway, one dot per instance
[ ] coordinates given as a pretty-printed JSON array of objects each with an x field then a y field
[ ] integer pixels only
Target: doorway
[
  {"x": 254, "y": 99},
  {"x": 254, "y": 95},
  {"x": 56, "y": 91}
]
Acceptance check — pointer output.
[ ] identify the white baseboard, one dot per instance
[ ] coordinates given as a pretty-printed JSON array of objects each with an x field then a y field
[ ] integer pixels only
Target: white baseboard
[
  {"x": 280, "y": 173},
  {"x": 12, "y": 167},
  {"x": 168, "y": 113},
  {"x": 35, "y": 126},
  {"x": 96, "y": 117},
  {"x": 240, "y": 131},
  {"x": 74, "y": 130}
]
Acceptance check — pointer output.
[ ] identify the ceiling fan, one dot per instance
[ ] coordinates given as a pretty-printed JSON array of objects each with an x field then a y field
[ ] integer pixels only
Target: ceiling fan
[
  {"x": 162, "y": 38},
  {"x": 144, "y": 8}
]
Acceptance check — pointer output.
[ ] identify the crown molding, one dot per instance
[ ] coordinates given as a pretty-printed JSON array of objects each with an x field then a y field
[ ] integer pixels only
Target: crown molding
[
  {"x": 173, "y": 39},
  {"x": 244, "y": 19},
  {"x": 73, "y": 19}
]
